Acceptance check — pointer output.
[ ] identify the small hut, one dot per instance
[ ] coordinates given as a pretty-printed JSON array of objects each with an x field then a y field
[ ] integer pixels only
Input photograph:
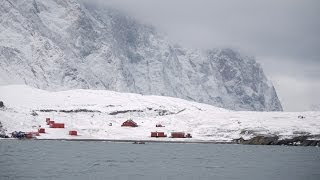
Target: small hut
[
  {"x": 57, "y": 125},
  {"x": 41, "y": 130},
  {"x": 73, "y": 133},
  {"x": 129, "y": 123},
  {"x": 158, "y": 134}
]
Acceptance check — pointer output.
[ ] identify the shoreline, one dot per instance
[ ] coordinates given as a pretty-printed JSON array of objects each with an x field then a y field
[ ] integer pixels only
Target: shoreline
[
  {"x": 259, "y": 140},
  {"x": 125, "y": 141},
  {"x": 145, "y": 141}
]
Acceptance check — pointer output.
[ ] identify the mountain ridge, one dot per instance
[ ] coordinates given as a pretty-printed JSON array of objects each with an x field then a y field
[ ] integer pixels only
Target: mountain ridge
[{"x": 73, "y": 44}]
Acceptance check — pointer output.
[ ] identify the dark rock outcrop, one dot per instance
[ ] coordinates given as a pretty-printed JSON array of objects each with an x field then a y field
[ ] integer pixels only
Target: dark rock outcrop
[
  {"x": 259, "y": 140},
  {"x": 274, "y": 140},
  {"x": 69, "y": 111},
  {"x": 3, "y": 132},
  {"x": 1, "y": 104}
]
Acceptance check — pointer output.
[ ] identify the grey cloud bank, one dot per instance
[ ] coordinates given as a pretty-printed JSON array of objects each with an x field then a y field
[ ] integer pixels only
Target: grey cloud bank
[{"x": 283, "y": 35}]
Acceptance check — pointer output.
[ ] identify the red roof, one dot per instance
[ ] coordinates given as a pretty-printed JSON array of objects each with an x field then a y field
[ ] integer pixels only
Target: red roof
[{"x": 130, "y": 123}]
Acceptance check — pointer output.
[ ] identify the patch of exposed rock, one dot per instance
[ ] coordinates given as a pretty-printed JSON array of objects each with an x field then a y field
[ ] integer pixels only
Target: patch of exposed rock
[{"x": 275, "y": 140}]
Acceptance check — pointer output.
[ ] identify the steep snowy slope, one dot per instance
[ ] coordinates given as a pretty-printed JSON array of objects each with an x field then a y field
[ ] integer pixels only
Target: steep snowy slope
[
  {"x": 69, "y": 44},
  {"x": 90, "y": 112}
]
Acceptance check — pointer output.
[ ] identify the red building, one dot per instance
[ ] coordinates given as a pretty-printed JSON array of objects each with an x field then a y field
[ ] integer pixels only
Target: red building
[
  {"x": 41, "y": 130},
  {"x": 178, "y": 135},
  {"x": 73, "y": 133},
  {"x": 158, "y": 134},
  {"x": 50, "y": 122},
  {"x": 129, "y": 123},
  {"x": 57, "y": 125}
]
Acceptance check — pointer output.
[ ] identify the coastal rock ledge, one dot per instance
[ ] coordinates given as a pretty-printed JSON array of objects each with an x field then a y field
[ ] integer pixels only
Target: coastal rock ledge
[{"x": 275, "y": 140}]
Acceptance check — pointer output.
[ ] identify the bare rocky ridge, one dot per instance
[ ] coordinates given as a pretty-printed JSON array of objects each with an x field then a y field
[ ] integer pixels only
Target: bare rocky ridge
[{"x": 70, "y": 44}]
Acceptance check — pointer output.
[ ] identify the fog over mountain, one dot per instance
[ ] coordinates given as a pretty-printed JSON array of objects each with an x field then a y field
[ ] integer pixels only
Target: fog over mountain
[
  {"x": 282, "y": 35},
  {"x": 78, "y": 44}
]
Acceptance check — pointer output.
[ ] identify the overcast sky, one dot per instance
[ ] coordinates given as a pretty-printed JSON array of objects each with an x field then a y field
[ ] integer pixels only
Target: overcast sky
[{"x": 283, "y": 35}]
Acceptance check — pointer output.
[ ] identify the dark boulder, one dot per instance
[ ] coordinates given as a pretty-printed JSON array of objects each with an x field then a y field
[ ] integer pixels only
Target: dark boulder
[{"x": 1, "y": 104}]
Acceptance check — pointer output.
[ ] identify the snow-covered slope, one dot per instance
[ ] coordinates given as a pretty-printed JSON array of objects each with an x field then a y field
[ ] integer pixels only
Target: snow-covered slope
[
  {"x": 69, "y": 44},
  {"x": 91, "y": 111}
]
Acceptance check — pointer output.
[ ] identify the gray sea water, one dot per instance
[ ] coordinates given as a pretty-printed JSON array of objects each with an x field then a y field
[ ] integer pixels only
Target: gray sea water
[{"x": 22, "y": 159}]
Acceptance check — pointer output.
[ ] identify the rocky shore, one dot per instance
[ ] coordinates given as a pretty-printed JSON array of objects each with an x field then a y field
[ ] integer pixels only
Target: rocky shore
[{"x": 276, "y": 140}]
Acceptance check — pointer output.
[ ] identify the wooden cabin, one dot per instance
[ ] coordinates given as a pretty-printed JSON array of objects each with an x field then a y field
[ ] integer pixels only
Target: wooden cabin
[
  {"x": 177, "y": 135},
  {"x": 41, "y": 130},
  {"x": 180, "y": 135},
  {"x": 57, "y": 125},
  {"x": 158, "y": 134},
  {"x": 129, "y": 123},
  {"x": 73, "y": 133}
]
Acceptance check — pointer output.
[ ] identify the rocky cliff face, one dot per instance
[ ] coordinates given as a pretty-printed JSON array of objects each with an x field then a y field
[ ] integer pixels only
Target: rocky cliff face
[{"x": 58, "y": 44}]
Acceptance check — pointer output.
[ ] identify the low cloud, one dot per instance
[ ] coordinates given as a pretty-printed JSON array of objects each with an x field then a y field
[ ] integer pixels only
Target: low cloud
[{"x": 283, "y": 35}]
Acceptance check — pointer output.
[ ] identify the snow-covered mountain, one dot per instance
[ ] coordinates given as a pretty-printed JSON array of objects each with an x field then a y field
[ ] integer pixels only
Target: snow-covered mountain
[
  {"x": 91, "y": 111},
  {"x": 68, "y": 44}
]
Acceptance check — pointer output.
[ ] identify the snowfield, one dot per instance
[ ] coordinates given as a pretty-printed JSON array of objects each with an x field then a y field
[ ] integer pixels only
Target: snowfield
[{"x": 91, "y": 111}]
